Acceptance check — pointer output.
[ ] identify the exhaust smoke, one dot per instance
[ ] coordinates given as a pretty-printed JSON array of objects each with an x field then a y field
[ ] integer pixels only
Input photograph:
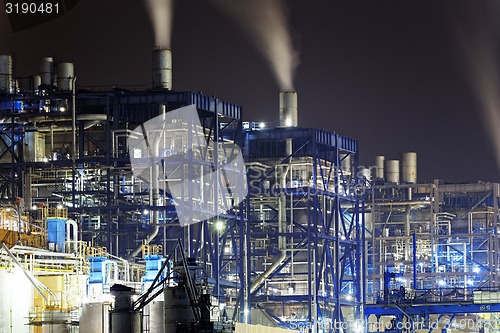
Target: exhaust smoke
[
  {"x": 160, "y": 13},
  {"x": 476, "y": 27},
  {"x": 266, "y": 22}
]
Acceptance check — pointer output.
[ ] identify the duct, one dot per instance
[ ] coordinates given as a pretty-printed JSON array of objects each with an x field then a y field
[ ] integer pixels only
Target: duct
[
  {"x": 71, "y": 224},
  {"x": 260, "y": 280},
  {"x": 47, "y": 129},
  {"x": 37, "y": 284}
]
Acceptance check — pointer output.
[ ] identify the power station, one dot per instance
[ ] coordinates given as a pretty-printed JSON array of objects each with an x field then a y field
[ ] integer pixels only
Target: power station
[{"x": 112, "y": 221}]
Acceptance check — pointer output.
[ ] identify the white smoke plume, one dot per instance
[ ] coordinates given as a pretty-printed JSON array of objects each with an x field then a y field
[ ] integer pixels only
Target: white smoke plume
[
  {"x": 160, "y": 13},
  {"x": 266, "y": 21},
  {"x": 476, "y": 26}
]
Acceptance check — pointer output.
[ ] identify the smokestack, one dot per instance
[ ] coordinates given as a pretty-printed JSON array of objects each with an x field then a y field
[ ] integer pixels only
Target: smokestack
[
  {"x": 65, "y": 76},
  {"x": 409, "y": 167},
  {"x": 6, "y": 82},
  {"x": 288, "y": 109},
  {"x": 162, "y": 69}
]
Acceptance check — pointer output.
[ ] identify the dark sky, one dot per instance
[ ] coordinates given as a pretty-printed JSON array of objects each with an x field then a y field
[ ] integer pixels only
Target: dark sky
[{"x": 382, "y": 72}]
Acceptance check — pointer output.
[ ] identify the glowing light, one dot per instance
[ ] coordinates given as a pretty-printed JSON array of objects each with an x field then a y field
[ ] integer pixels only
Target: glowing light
[
  {"x": 45, "y": 159},
  {"x": 476, "y": 270},
  {"x": 219, "y": 225},
  {"x": 59, "y": 206},
  {"x": 34, "y": 207},
  {"x": 470, "y": 282},
  {"x": 62, "y": 109},
  {"x": 227, "y": 249},
  {"x": 441, "y": 283},
  {"x": 145, "y": 212},
  {"x": 262, "y": 125}
]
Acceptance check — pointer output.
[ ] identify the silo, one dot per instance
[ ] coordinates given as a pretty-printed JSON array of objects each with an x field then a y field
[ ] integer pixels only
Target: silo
[
  {"x": 47, "y": 71},
  {"x": 379, "y": 167},
  {"x": 178, "y": 307},
  {"x": 94, "y": 318},
  {"x": 392, "y": 171},
  {"x": 65, "y": 76},
  {"x": 409, "y": 167}
]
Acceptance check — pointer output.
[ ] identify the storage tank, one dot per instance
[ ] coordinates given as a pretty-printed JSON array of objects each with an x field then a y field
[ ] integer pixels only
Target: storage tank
[
  {"x": 65, "y": 76},
  {"x": 409, "y": 167},
  {"x": 6, "y": 84},
  {"x": 94, "y": 318},
  {"x": 162, "y": 69},
  {"x": 177, "y": 308},
  {"x": 47, "y": 71},
  {"x": 36, "y": 82},
  {"x": 123, "y": 317},
  {"x": 154, "y": 313},
  {"x": 56, "y": 321},
  {"x": 288, "y": 109},
  {"x": 392, "y": 171},
  {"x": 365, "y": 173},
  {"x": 379, "y": 167}
]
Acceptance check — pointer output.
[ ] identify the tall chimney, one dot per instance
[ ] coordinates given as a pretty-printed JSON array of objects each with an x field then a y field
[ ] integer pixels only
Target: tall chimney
[
  {"x": 288, "y": 109},
  {"x": 162, "y": 69}
]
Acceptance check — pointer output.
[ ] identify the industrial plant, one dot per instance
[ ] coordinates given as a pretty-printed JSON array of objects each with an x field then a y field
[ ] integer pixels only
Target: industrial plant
[{"x": 151, "y": 210}]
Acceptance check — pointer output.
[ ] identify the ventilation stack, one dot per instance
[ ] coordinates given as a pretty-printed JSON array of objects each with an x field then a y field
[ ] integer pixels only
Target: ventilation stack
[
  {"x": 409, "y": 168},
  {"x": 379, "y": 167},
  {"x": 392, "y": 171},
  {"x": 47, "y": 72},
  {"x": 162, "y": 69},
  {"x": 65, "y": 76}
]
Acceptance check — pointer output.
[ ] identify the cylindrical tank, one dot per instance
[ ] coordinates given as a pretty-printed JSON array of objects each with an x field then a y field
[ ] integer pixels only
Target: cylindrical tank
[
  {"x": 155, "y": 311},
  {"x": 94, "y": 318},
  {"x": 126, "y": 322},
  {"x": 288, "y": 109},
  {"x": 345, "y": 162},
  {"x": 56, "y": 321},
  {"x": 392, "y": 171},
  {"x": 409, "y": 167},
  {"x": 162, "y": 69},
  {"x": 177, "y": 308},
  {"x": 65, "y": 76},
  {"x": 365, "y": 173},
  {"x": 47, "y": 71},
  {"x": 379, "y": 167},
  {"x": 36, "y": 82},
  {"x": 6, "y": 74}
]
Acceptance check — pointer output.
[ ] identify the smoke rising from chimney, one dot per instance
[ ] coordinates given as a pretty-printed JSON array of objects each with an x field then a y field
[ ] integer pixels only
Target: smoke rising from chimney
[
  {"x": 266, "y": 21},
  {"x": 477, "y": 31},
  {"x": 160, "y": 13}
]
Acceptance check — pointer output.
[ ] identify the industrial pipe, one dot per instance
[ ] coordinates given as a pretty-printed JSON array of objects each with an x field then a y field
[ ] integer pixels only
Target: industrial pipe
[{"x": 71, "y": 224}]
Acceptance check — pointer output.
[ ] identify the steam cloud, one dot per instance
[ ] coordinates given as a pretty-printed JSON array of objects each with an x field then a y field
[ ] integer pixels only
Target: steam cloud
[
  {"x": 160, "y": 13},
  {"x": 267, "y": 24},
  {"x": 477, "y": 31}
]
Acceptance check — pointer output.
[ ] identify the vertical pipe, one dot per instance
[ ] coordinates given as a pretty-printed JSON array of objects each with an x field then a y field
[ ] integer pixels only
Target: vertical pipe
[{"x": 415, "y": 260}]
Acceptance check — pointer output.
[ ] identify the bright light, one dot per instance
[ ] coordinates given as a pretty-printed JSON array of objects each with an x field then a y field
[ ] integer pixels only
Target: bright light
[
  {"x": 45, "y": 159},
  {"x": 219, "y": 225},
  {"x": 441, "y": 283},
  {"x": 62, "y": 109},
  {"x": 145, "y": 212},
  {"x": 262, "y": 125},
  {"x": 470, "y": 282},
  {"x": 288, "y": 122},
  {"x": 349, "y": 298},
  {"x": 59, "y": 206},
  {"x": 227, "y": 249},
  {"x": 476, "y": 270},
  {"x": 34, "y": 207}
]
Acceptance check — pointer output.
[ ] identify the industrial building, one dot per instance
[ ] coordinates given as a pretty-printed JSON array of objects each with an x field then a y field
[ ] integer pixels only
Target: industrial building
[{"x": 89, "y": 245}]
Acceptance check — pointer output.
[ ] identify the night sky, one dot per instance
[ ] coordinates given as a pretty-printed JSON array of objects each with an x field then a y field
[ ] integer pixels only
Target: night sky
[{"x": 383, "y": 72}]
